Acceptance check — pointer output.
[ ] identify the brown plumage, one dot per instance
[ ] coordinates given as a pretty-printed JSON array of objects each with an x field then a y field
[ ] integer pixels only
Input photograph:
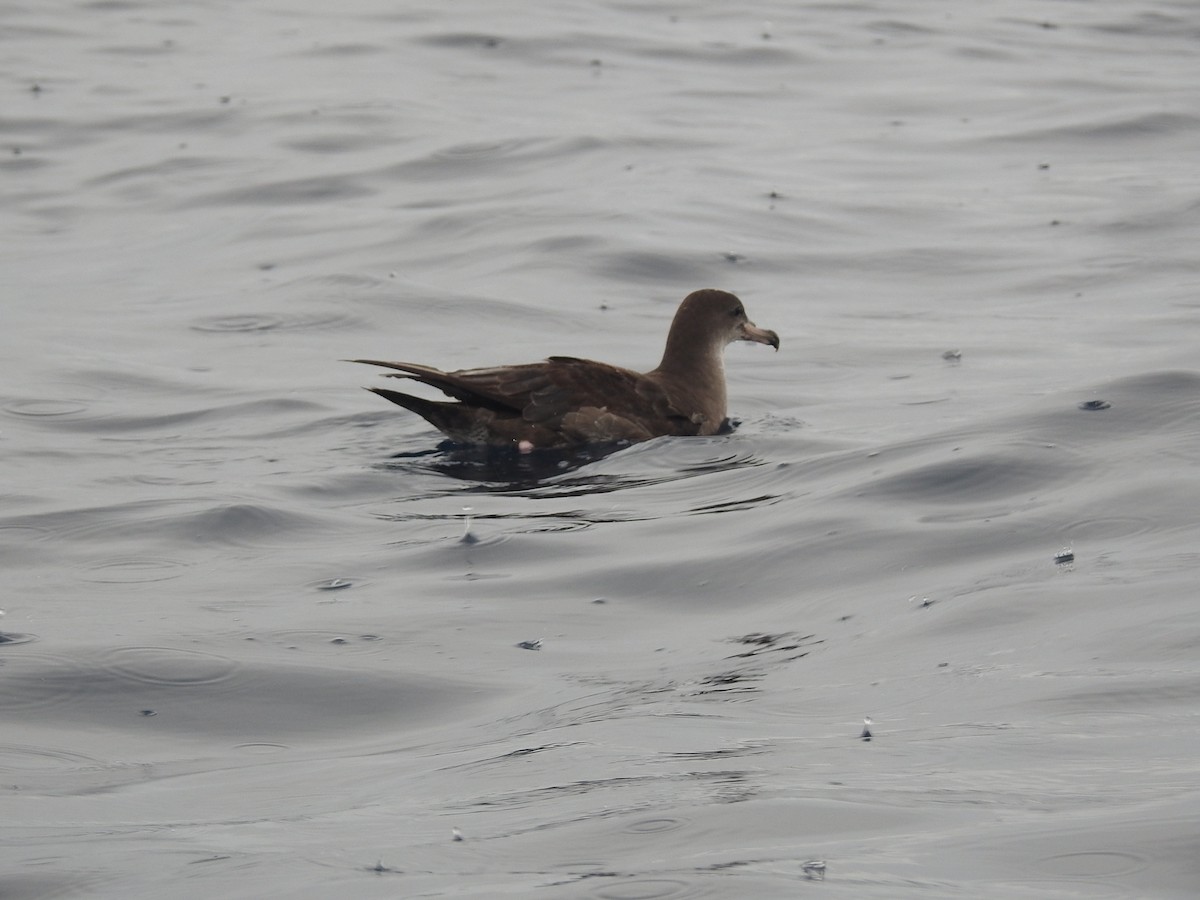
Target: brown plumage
[{"x": 565, "y": 401}]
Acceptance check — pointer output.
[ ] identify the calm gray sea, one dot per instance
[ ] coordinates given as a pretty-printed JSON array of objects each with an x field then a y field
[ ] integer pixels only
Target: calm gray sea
[{"x": 262, "y": 637}]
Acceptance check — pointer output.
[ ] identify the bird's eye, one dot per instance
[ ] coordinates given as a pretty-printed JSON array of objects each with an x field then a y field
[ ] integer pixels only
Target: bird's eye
[{"x": 736, "y": 312}]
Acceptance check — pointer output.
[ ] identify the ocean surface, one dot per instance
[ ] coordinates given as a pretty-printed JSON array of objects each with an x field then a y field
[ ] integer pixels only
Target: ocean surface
[{"x": 262, "y": 638}]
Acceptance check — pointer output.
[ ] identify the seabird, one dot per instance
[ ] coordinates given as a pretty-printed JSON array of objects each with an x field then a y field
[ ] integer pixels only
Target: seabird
[{"x": 569, "y": 402}]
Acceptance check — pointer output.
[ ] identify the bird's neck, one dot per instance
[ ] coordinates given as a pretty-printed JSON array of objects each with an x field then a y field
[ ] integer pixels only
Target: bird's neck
[
  {"x": 697, "y": 380},
  {"x": 685, "y": 360}
]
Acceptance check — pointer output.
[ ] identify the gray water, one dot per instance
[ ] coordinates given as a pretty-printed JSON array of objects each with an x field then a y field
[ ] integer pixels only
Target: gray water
[{"x": 249, "y": 652}]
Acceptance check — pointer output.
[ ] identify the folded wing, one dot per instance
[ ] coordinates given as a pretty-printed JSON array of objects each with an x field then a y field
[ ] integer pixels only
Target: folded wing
[{"x": 564, "y": 400}]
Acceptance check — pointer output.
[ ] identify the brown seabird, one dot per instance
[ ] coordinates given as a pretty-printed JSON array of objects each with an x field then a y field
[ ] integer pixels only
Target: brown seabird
[{"x": 568, "y": 402}]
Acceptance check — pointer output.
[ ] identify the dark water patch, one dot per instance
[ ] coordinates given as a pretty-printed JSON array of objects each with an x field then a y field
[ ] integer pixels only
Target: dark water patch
[
  {"x": 1166, "y": 215},
  {"x": 1159, "y": 694},
  {"x": 665, "y": 267},
  {"x": 719, "y": 53},
  {"x": 491, "y": 151},
  {"x": 18, "y": 129},
  {"x": 45, "y": 886},
  {"x": 157, "y": 171},
  {"x": 293, "y": 192},
  {"x": 456, "y": 40},
  {"x": 568, "y": 243},
  {"x": 987, "y": 54},
  {"x": 331, "y": 144},
  {"x": 186, "y": 122},
  {"x": 8, "y": 638},
  {"x": 494, "y": 159},
  {"x": 1155, "y": 24},
  {"x": 207, "y": 696},
  {"x": 897, "y": 28},
  {"x": 114, "y": 5},
  {"x": 1132, "y": 127},
  {"x": 984, "y": 477},
  {"x": 162, "y": 48},
  {"x": 19, "y": 163},
  {"x": 342, "y": 51}
]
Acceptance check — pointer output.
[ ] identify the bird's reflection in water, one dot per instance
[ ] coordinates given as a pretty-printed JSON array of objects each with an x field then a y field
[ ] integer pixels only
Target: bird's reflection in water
[{"x": 504, "y": 467}]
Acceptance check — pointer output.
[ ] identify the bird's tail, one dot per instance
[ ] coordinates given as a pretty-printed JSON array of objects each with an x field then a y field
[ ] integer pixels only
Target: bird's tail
[{"x": 446, "y": 416}]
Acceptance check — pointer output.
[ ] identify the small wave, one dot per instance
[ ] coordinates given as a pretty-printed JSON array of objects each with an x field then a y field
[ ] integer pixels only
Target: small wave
[
  {"x": 1108, "y": 128},
  {"x": 255, "y": 410},
  {"x": 156, "y": 172},
  {"x": 254, "y": 322},
  {"x": 138, "y": 688},
  {"x": 241, "y": 524},
  {"x": 493, "y": 159},
  {"x": 982, "y": 477},
  {"x": 296, "y": 191}
]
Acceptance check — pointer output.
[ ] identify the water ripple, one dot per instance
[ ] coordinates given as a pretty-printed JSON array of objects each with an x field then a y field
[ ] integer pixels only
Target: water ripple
[{"x": 252, "y": 322}]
